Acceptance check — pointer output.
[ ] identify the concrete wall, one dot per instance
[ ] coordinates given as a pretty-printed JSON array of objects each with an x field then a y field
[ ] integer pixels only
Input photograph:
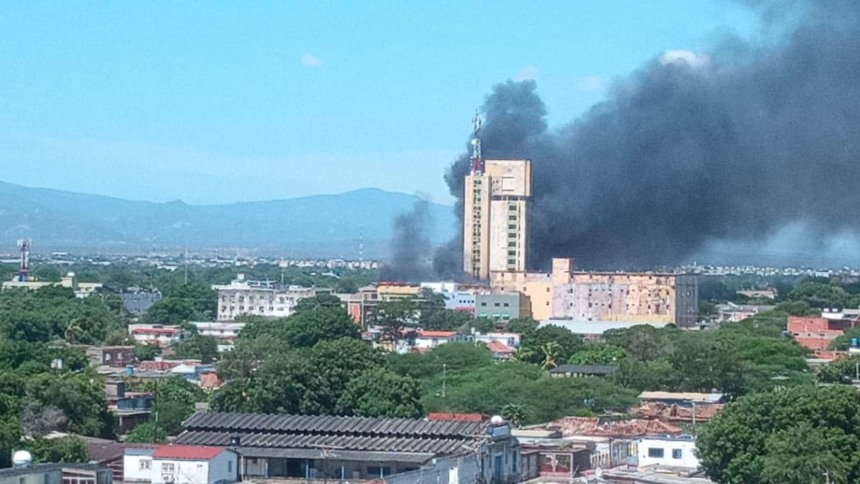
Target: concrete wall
[
  {"x": 676, "y": 453},
  {"x": 137, "y": 467}
]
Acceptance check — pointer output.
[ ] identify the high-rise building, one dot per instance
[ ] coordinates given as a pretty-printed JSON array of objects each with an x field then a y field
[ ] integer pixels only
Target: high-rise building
[{"x": 495, "y": 218}]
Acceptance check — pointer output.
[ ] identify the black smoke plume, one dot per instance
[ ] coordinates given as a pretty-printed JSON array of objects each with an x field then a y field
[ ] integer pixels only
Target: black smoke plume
[
  {"x": 410, "y": 246},
  {"x": 693, "y": 149}
]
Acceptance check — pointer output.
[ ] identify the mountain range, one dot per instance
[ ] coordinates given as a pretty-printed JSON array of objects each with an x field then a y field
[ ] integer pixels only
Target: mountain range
[{"x": 313, "y": 226}]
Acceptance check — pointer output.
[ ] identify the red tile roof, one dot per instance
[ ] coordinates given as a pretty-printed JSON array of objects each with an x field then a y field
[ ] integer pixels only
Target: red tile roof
[
  {"x": 210, "y": 380},
  {"x": 571, "y": 426},
  {"x": 186, "y": 452},
  {"x": 499, "y": 347}
]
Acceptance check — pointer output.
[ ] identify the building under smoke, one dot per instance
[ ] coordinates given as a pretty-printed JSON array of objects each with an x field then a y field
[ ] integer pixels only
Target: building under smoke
[{"x": 495, "y": 213}]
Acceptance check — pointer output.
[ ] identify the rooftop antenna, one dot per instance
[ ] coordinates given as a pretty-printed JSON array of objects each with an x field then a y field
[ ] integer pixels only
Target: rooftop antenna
[
  {"x": 24, "y": 267},
  {"x": 477, "y": 160}
]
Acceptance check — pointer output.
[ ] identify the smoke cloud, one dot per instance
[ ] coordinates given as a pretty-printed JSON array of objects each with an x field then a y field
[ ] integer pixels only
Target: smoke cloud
[
  {"x": 410, "y": 246},
  {"x": 693, "y": 150}
]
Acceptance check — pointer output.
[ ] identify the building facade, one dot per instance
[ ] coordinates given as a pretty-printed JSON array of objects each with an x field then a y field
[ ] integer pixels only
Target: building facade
[
  {"x": 495, "y": 218},
  {"x": 503, "y": 306},
  {"x": 566, "y": 294},
  {"x": 259, "y": 298},
  {"x": 670, "y": 451},
  {"x": 325, "y": 448}
]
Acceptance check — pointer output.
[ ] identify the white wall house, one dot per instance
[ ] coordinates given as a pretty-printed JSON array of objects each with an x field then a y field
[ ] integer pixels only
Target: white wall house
[
  {"x": 225, "y": 332},
  {"x": 155, "y": 334},
  {"x": 193, "y": 464},
  {"x": 137, "y": 464},
  {"x": 432, "y": 339},
  {"x": 667, "y": 451}
]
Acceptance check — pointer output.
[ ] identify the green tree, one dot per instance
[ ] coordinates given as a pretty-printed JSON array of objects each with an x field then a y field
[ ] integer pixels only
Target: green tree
[
  {"x": 174, "y": 402},
  {"x": 560, "y": 341},
  {"x": 146, "y": 433},
  {"x": 381, "y": 393},
  {"x": 759, "y": 433},
  {"x": 197, "y": 347},
  {"x": 63, "y": 449},
  {"x": 320, "y": 301},
  {"x": 602, "y": 354},
  {"x": 819, "y": 295},
  {"x": 842, "y": 370},
  {"x": 395, "y": 315},
  {"x": 144, "y": 352}
]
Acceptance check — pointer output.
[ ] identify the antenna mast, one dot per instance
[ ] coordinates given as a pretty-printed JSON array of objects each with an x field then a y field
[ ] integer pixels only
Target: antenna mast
[
  {"x": 477, "y": 159},
  {"x": 24, "y": 267}
]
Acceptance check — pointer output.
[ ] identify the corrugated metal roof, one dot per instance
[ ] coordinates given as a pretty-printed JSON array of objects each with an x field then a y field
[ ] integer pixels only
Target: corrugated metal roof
[
  {"x": 317, "y": 441},
  {"x": 341, "y": 425}
]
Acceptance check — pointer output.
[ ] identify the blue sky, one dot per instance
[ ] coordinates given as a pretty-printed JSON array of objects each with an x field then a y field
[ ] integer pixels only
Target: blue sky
[{"x": 215, "y": 102}]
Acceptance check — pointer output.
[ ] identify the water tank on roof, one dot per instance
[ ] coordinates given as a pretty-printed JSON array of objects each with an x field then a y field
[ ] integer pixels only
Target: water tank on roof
[{"x": 22, "y": 458}]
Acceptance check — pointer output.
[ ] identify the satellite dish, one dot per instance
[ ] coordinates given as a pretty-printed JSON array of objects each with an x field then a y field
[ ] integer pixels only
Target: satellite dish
[{"x": 497, "y": 420}]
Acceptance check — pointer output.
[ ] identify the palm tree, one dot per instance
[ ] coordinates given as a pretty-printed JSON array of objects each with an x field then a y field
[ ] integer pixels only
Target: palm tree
[
  {"x": 523, "y": 354},
  {"x": 550, "y": 355},
  {"x": 73, "y": 331}
]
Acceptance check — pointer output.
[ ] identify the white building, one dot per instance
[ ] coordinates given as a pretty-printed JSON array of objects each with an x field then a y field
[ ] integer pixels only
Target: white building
[
  {"x": 667, "y": 451},
  {"x": 225, "y": 332},
  {"x": 182, "y": 464},
  {"x": 260, "y": 298},
  {"x": 432, "y": 339},
  {"x": 511, "y": 340},
  {"x": 155, "y": 334},
  {"x": 137, "y": 464}
]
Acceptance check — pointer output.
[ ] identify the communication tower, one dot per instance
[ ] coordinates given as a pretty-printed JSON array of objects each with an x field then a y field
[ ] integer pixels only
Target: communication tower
[{"x": 24, "y": 267}]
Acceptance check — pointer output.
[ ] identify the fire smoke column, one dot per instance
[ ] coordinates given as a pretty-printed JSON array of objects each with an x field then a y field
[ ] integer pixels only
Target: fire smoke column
[
  {"x": 410, "y": 246},
  {"x": 692, "y": 149}
]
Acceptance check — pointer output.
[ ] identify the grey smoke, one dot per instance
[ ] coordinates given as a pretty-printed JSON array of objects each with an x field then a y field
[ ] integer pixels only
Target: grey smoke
[
  {"x": 410, "y": 246},
  {"x": 726, "y": 147}
]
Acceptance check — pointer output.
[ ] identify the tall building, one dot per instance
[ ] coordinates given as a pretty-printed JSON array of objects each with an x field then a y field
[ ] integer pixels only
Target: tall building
[{"x": 495, "y": 213}]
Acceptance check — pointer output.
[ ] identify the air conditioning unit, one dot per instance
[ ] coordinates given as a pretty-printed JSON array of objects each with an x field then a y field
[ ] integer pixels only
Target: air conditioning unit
[{"x": 167, "y": 477}]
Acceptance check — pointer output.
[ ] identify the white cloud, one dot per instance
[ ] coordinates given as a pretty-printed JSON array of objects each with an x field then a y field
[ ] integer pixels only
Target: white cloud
[
  {"x": 309, "y": 60},
  {"x": 528, "y": 72},
  {"x": 591, "y": 83},
  {"x": 688, "y": 57}
]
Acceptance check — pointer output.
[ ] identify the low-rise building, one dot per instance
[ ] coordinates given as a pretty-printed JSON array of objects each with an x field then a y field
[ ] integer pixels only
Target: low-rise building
[
  {"x": 670, "y": 451},
  {"x": 65, "y": 473},
  {"x": 432, "y": 339},
  {"x": 734, "y": 313},
  {"x": 503, "y": 306},
  {"x": 225, "y": 332},
  {"x": 155, "y": 334},
  {"x": 324, "y": 448},
  {"x": 817, "y": 334},
  {"x": 193, "y": 464},
  {"x": 113, "y": 356},
  {"x": 593, "y": 330}
]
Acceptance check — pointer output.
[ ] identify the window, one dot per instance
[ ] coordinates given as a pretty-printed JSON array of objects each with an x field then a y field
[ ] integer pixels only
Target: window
[
  {"x": 655, "y": 452},
  {"x": 229, "y": 466},
  {"x": 145, "y": 464},
  {"x": 677, "y": 453},
  {"x": 167, "y": 468}
]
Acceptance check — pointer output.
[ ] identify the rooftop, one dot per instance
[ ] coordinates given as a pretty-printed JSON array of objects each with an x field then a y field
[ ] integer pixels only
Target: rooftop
[
  {"x": 683, "y": 396},
  {"x": 356, "y": 438},
  {"x": 585, "y": 369},
  {"x": 186, "y": 452}
]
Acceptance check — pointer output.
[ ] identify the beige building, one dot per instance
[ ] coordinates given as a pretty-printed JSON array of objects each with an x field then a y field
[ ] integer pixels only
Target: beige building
[
  {"x": 495, "y": 219},
  {"x": 603, "y": 296}
]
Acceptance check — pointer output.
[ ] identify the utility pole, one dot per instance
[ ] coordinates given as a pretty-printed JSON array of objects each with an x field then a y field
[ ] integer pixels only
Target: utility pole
[{"x": 444, "y": 368}]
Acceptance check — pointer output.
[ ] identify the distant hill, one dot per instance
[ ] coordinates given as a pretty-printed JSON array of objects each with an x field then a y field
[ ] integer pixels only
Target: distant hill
[{"x": 321, "y": 225}]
